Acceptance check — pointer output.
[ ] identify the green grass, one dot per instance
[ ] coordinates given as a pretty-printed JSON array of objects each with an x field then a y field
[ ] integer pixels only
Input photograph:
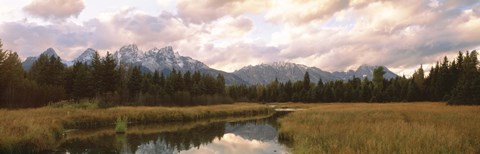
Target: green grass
[
  {"x": 121, "y": 125},
  {"x": 81, "y": 104},
  {"x": 383, "y": 128},
  {"x": 34, "y": 130}
]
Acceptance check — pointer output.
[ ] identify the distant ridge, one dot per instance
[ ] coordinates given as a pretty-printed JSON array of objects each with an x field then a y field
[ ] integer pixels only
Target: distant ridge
[
  {"x": 165, "y": 59},
  {"x": 284, "y": 71}
]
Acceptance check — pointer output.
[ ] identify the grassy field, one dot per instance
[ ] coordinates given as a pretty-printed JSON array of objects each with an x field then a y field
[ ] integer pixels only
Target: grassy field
[
  {"x": 31, "y": 130},
  {"x": 382, "y": 128}
]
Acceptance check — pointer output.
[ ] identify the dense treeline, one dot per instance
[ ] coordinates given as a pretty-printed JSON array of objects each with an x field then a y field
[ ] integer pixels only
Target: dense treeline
[
  {"x": 50, "y": 81},
  {"x": 457, "y": 82},
  {"x": 119, "y": 85},
  {"x": 18, "y": 90}
]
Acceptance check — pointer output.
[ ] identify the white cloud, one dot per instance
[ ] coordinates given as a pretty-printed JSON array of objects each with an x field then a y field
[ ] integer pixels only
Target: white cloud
[
  {"x": 206, "y": 11},
  {"x": 56, "y": 10},
  {"x": 331, "y": 35},
  {"x": 400, "y": 34}
]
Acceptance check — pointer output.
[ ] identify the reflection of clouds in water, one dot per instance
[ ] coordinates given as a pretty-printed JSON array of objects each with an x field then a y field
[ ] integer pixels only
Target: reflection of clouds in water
[
  {"x": 231, "y": 143},
  {"x": 253, "y": 131},
  {"x": 157, "y": 147}
]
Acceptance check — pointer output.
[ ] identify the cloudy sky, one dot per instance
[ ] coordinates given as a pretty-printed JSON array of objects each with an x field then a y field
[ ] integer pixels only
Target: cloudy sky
[{"x": 230, "y": 34}]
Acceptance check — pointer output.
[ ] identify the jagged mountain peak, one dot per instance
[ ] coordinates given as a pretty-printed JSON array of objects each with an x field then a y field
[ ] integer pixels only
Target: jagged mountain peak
[
  {"x": 90, "y": 50},
  {"x": 130, "y": 50},
  {"x": 130, "y": 47},
  {"x": 86, "y": 56},
  {"x": 165, "y": 59},
  {"x": 288, "y": 64},
  {"x": 364, "y": 71},
  {"x": 128, "y": 54},
  {"x": 284, "y": 71},
  {"x": 157, "y": 59},
  {"x": 165, "y": 51},
  {"x": 28, "y": 63},
  {"x": 277, "y": 65},
  {"x": 50, "y": 52}
]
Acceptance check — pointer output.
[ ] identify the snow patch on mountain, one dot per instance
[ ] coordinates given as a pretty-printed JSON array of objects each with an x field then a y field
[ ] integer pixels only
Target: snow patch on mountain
[
  {"x": 284, "y": 71},
  {"x": 86, "y": 56},
  {"x": 166, "y": 59}
]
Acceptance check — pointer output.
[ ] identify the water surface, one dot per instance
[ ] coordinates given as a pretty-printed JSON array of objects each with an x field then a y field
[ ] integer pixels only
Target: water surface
[{"x": 258, "y": 136}]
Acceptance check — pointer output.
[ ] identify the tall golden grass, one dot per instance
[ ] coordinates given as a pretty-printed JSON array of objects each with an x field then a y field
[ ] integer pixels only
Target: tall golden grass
[
  {"x": 33, "y": 130},
  {"x": 383, "y": 128}
]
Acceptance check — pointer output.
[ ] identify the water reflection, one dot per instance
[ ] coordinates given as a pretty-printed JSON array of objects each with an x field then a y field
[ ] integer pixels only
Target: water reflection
[
  {"x": 254, "y": 136},
  {"x": 233, "y": 143}
]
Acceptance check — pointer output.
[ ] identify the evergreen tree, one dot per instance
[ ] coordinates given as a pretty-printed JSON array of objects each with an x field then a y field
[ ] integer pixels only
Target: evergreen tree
[
  {"x": 319, "y": 90},
  {"x": 179, "y": 81},
  {"x": 170, "y": 82},
  {"x": 109, "y": 74},
  {"x": 122, "y": 84},
  {"x": 288, "y": 91},
  {"x": 156, "y": 79},
  {"x": 467, "y": 88},
  {"x": 147, "y": 84},
  {"x": 97, "y": 73},
  {"x": 419, "y": 77},
  {"x": 378, "y": 81},
  {"x": 134, "y": 82},
  {"x": 49, "y": 72},
  {"x": 82, "y": 85},
  {"x": 366, "y": 91},
  {"x": 187, "y": 77},
  {"x": 11, "y": 75},
  {"x": 419, "y": 80},
  {"x": 306, "y": 81},
  {"x": 55, "y": 72},
  {"x": 413, "y": 91},
  {"x": 220, "y": 84}
]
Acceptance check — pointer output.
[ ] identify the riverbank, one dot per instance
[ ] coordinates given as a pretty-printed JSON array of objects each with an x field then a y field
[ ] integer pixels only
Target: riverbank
[
  {"x": 382, "y": 128},
  {"x": 33, "y": 130}
]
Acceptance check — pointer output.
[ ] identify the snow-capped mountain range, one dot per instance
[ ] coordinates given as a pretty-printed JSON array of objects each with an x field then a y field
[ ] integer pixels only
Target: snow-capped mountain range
[
  {"x": 165, "y": 59},
  {"x": 284, "y": 71}
]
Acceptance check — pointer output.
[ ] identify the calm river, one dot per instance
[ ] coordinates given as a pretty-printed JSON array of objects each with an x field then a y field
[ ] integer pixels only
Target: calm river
[{"x": 258, "y": 136}]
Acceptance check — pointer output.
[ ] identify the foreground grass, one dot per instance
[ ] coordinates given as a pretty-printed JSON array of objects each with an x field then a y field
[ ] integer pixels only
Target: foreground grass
[
  {"x": 33, "y": 130},
  {"x": 383, "y": 128}
]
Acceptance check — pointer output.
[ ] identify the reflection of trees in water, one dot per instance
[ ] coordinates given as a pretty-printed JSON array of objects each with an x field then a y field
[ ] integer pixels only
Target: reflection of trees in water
[
  {"x": 166, "y": 141},
  {"x": 272, "y": 120},
  {"x": 178, "y": 140},
  {"x": 260, "y": 129},
  {"x": 186, "y": 139},
  {"x": 105, "y": 143},
  {"x": 169, "y": 142}
]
